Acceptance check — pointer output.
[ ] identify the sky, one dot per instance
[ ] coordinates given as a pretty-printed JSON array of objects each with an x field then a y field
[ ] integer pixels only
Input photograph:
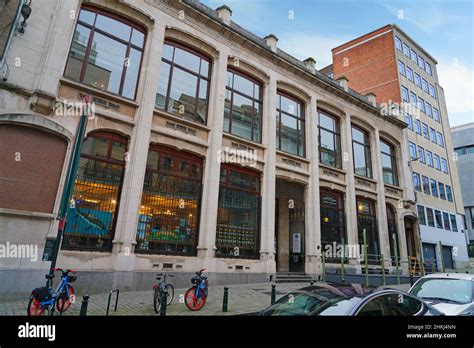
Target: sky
[{"x": 311, "y": 28}]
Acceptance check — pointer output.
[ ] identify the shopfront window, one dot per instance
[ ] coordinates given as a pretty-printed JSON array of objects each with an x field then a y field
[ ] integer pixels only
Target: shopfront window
[
  {"x": 367, "y": 221},
  {"x": 92, "y": 212},
  {"x": 238, "y": 214},
  {"x": 171, "y": 200},
  {"x": 333, "y": 228},
  {"x": 106, "y": 52},
  {"x": 393, "y": 233}
]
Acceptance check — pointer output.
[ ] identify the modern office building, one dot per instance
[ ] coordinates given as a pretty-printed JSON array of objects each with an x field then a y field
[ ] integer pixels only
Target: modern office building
[
  {"x": 463, "y": 142},
  {"x": 390, "y": 64},
  {"x": 208, "y": 147}
]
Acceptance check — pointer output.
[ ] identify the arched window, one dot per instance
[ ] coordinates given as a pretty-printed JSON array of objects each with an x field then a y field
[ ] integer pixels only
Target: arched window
[
  {"x": 389, "y": 163},
  {"x": 329, "y": 140},
  {"x": 238, "y": 214},
  {"x": 183, "y": 87},
  {"x": 333, "y": 228},
  {"x": 290, "y": 125},
  {"x": 92, "y": 213},
  {"x": 392, "y": 231},
  {"x": 106, "y": 52},
  {"x": 168, "y": 220},
  {"x": 243, "y": 106},
  {"x": 361, "y": 151}
]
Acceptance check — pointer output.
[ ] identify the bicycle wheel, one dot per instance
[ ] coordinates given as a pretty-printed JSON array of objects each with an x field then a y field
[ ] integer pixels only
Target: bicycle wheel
[
  {"x": 170, "y": 289},
  {"x": 34, "y": 308},
  {"x": 64, "y": 302},
  {"x": 192, "y": 302},
  {"x": 157, "y": 300}
]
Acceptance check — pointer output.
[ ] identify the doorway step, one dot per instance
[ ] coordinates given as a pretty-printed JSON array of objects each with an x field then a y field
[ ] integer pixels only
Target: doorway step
[{"x": 292, "y": 277}]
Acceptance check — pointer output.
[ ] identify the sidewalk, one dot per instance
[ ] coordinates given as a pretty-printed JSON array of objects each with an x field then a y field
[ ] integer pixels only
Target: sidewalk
[{"x": 243, "y": 298}]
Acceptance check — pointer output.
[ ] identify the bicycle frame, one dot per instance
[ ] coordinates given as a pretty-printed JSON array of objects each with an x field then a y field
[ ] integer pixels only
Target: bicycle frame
[{"x": 55, "y": 294}]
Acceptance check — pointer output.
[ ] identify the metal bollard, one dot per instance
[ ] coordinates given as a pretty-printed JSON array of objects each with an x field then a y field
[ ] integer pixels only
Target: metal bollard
[
  {"x": 411, "y": 279},
  {"x": 116, "y": 300},
  {"x": 85, "y": 302},
  {"x": 311, "y": 282},
  {"x": 164, "y": 298},
  {"x": 273, "y": 294},
  {"x": 225, "y": 300}
]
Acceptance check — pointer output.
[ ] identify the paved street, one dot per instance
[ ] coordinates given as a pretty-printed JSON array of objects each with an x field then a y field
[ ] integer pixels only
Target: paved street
[{"x": 242, "y": 299}]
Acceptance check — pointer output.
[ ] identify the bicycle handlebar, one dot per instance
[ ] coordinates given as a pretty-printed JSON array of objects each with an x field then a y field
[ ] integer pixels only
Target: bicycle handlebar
[{"x": 64, "y": 271}]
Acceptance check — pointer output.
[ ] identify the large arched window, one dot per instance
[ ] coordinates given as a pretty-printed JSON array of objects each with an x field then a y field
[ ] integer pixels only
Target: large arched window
[
  {"x": 329, "y": 140},
  {"x": 243, "y": 106},
  {"x": 238, "y": 215},
  {"x": 333, "y": 228},
  {"x": 290, "y": 125},
  {"x": 389, "y": 163},
  {"x": 392, "y": 231},
  {"x": 168, "y": 220},
  {"x": 106, "y": 52},
  {"x": 361, "y": 151},
  {"x": 183, "y": 87},
  {"x": 92, "y": 212}
]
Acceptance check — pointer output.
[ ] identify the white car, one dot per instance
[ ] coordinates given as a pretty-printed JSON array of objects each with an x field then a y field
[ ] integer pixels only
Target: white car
[{"x": 450, "y": 293}]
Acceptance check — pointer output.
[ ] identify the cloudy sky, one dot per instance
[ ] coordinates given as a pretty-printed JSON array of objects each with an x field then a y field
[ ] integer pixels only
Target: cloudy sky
[{"x": 313, "y": 27}]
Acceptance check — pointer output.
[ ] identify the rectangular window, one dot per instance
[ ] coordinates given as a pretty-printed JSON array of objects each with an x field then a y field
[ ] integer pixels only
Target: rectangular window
[
  {"x": 409, "y": 121},
  {"x": 417, "y": 80},
  {"x": 405, "y": 94},
  {"x": 414, "y": 57},
  {"x": 429, "y": 158},
  {"x": 421, "y": 62},
  {"x": 421, "y": 104},
  {"x": 401, "y": 68},
  {"x": 421, "y": 215},
  {"x": 426, "y": 184},
  {"x": 447, "y": 227},
  {"x": 428, "y": 110},
  {"x": 444, "y": 166},
  {"x": 290, "y": 125},
  {"x": 432, "y": 91},
  {"x": 454, "y": 224},
  {"x": 413, "y": 99},
  {"x": 329, "y": 140},
  {"x": 424, "y": 85},
  {"x": 440, "y": 139},
  {"x": 389, "y": 163},
  {"x": 406, "y": 50},
  {"x": 437, "y": 164},
  {"x": 449, "y": 193},
  {"x": 436, "y": 115},
  {"x": 410, "y": 74},
  {"x": 433, "y": 135},
  {"x": 434, "y": 188},
  {"x": 425, "y": 131},
  {"x": 361, "y": 152},
  {"x": 439, "y": 220},
  {"x": 416, "y": 181},
  {"x": 421, "y": 155},
  {"x": 442, "y": 193},
  {"x": 412, "y": 150},
  {"x": 430, "y": 217},
  {"x": 398, "y": 43},
  {"x": 428, "y": 68},
  {"x": 417, "y": 126}
]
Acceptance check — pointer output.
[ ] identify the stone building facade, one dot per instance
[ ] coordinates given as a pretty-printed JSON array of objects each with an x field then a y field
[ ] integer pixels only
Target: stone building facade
[{"x": 209, "y": 147}]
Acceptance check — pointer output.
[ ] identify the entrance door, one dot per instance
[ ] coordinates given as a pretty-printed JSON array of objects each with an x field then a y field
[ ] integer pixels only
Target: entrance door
[
  {"x": 448, "y": 257},
  {"x": 429, "y": 254},
  {"x": 296, "y": 259}
]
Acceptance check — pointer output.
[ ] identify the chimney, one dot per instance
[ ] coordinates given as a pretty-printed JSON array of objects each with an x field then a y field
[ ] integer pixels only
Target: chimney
[
  {"x": 271, "y": 41},
  {"x": 372, "y": 98},
  {"x": 224, "y": 13},
  {"x": 310, "y": 63},
  {"x": 343, "y": 82}
]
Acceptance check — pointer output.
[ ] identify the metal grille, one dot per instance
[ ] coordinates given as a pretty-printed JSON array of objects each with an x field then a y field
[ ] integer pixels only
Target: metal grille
[
  {"x": 91, "y": 215},
  {"x": 238, "y": 228}
]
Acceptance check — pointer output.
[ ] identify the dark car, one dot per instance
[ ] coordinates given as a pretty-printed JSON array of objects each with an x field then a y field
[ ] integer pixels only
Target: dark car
[{"x": 349, "y": 299}]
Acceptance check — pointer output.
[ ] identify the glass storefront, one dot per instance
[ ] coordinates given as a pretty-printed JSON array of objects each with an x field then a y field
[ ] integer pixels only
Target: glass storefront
[
  {"x": 333, "y": 228},
  {"x": 367, "y": 220}
]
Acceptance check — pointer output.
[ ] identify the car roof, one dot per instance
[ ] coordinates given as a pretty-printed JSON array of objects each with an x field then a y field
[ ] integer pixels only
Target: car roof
[
  {"x": 447, "y": 275},
  {"x": 335, "y": 290}
]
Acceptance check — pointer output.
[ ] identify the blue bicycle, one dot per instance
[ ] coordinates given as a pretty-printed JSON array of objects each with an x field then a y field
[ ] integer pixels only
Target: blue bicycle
[
  {"x": 45, "y": 298},
  {"x": 195, "y": 297}
]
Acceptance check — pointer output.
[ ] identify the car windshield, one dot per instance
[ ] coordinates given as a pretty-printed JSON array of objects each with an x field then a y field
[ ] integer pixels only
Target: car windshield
[
  {"x": 449, "y": 290},
  {"x": 294, "y": 304},
  {"x": 341, "y": 306}
]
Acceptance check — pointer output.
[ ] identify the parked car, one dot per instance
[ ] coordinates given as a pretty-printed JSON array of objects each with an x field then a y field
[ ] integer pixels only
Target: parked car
[
  {"x": 450, "y": 293},
  {"x": 348, "y": 299}
]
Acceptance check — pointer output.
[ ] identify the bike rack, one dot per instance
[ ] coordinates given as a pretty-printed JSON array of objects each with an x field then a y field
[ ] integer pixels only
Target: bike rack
[{"x": 116, "y": 300}]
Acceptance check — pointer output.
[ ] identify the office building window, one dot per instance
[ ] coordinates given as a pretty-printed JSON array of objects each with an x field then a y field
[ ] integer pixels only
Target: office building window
[
  {"x": 413, "y": 99},
  {"x": 421, "y": 104},
  {"x": 442, "y": 193},
  {"x": 417, "y": 80},
  {"x": 449, "y": 193},
  {"x": 444, "y": 166},
  {"x": 428, "y": 110},
  {"x": 389, "y": 164},
  {"x": 416, "y": 181},
  {"x": 290, "y": 125},
  {"x": 436, "y": 115},
  {"x": 398, "y": 43},
  {"x": 417, "y": 126},
  {"x": 406, "y": 50},
  {"x": 100, "y": 46},
  {"x": 412, "y": 150},
  {"x": 421, "y": 154},
  {"x": 434, "y": 188},
  {"x": 243, "y": 106},
  {"x": 432, "y": 91},
  {"x": 414, "y": 57},
  {"x": 421, "y": 215},
  {"x": 429, "y": 158},
  {"x": 410, "y": 74},
  {"x": 430, "y": 217},
  {"x": 426, "y": 184},
  {"x": 438, "y": 218},
  {"x": 405, "y": 94},
  {"x": 428, "y": 68},
  {"x": 361, "y": 151},
  {"x": 440, "y": 139},
  {"x": 401, "y": 68},
  {"x": 425, "y": 131},
  {"x": 447, "y": 227},
  {"x": 421, "y": 62},
  {"x": 436, "y": 162},
  {"x": 329, "y": 140},
  {"x": 409, "y": 121},
  {"x": 433, "y": 135},
  {"x": 424, "y": 85},
  {"x": 454, "y": 224}
]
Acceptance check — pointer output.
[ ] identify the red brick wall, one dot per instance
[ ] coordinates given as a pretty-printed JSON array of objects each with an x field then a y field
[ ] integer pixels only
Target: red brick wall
[{"x": 371, "y": 66}]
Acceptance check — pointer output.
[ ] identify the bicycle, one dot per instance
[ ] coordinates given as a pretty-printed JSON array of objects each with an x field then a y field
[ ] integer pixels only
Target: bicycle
[
  {"x": 195, "y": 297},
  {"x": 45, "y": 298},
  {"x": 160, "y": 288}
]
